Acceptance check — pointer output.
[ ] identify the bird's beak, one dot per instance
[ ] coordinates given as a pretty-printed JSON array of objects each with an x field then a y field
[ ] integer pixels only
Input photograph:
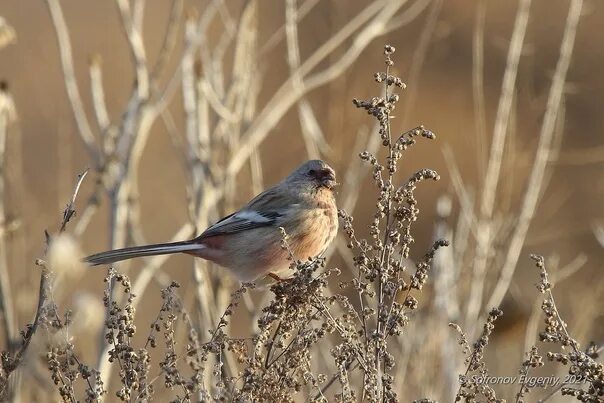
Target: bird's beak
[{"x": 328, "y": 179}]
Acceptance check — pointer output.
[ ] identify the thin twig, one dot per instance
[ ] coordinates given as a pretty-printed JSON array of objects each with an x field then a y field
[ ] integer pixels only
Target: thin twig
[
  {"x": 408, "y": 16},
  {"x": 311, "y": 131},
  {"x": 6, "y": 302},
  {"x": 169, "y": 41},
  {"x": 557, "y": 388},
  {"x": 371, "y": 20},
  {"x": 132, "y": 27},
  {"x": 535, "y": 181},
  {"x": 70, "y": 210},
  {"x": 98, "y": 93},
  {"x": 532, "y": 327},
  {"x": 349, "y": 367},
  {"x": 71, "y": 84},
  {"x": 279, "y": 34},
  {"x": 480, "y": 123},
  {"x": 44, "y": 289},
  {"x": 485, "y": 228}
]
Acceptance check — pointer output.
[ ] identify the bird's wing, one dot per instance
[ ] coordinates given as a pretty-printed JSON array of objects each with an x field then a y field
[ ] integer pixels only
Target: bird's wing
[{"x": 264, "y": 210}]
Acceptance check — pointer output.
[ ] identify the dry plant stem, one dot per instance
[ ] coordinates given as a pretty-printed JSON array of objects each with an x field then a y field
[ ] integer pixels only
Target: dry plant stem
[
  {"x": 169, "y": 42},
  {"x": 354, "y": 179},
  {"x": 98, "y": 94},
  {"x": 311, "y": 131},
  {"x": 533, "y": 360},
  {"x": 207, "y": 63},
  {"x": 409, "y": 15},
  {"x": 545, "y": 286},
  {"x": 197, "y": 155},
  {"x": 44, "y": 289},
  {"x": 548, "y": 291},
  {"x": 467, "y": 223},
  {"x": 256, "y": 173},
  {"x": 203, "y": 128},
  {"x": 446, "y": 301},
  {"x": 209, "y": 92},
  {"x": 190, "y": 96},
  {"x": 132, "y": 136},
  {"x": 232, "y": 29},
  {"x": 278, "y": 35},
  {"x": 355, "y": 175},
  {"x": 480, "y": 124},
  {"x": 384, "y": 263},
  {"x": 92, "y": 206},
  {"x": 138, "y": 13},
  {"x": 71, "y": 85},
  {"x": 241, "y": 95},
  {"x": 202, "y": 91},
  {"x": 134, "y": 129},
  {"x": 133, "y": 26},
  {"x": 556, "y": 142},
  {"x": 380, "y": 260},
  {"x": 504, "y": 108},
  {"x": 377, "y": 13},
  {"x": 138, "y": 289},
  {"x": 532, "y": 327},
  {"x": 6, "y": 300},
  {"x": 163, "y": 97},
  {"x": 349, "y": 367},
  {"x": 231, "y": 108},
  {"x": 561, "y": 385},
  {"x": 70, "y": 210},
  {"x": 475, "y": 360},
  {"x": 485, "y": 230},
  {"x": 535, "y": 181},
  {"x": 66, "y": 382}
]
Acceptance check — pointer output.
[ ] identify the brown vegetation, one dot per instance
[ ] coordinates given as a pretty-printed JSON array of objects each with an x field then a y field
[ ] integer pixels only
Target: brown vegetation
[{"x": 192, "y": 133}]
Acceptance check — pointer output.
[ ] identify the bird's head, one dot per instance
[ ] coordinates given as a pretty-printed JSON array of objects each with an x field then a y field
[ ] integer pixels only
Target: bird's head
[{"x": 316, "y": 172}]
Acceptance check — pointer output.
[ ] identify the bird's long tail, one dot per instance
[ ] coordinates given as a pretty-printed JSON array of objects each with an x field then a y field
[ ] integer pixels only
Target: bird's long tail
[{"x": 116, "y": 255}]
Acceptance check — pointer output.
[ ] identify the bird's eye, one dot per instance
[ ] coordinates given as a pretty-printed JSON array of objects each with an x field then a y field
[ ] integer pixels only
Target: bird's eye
[{"x": 312, "y": 172}]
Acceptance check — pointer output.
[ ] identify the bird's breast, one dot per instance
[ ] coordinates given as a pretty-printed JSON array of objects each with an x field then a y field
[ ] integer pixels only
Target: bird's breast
[{"x": 315, "y": 228}]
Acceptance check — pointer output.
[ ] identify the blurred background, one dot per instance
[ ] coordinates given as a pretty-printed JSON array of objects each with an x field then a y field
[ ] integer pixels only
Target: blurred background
[{"x": 229, "y": 97}]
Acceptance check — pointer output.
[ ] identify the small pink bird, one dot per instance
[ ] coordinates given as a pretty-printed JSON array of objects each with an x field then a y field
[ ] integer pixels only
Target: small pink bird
[{"x": 248, "y": 242}]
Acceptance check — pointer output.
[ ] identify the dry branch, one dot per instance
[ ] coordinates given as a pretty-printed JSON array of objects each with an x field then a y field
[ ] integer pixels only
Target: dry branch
[
  {"x": 11, "y": 362},
  {"x": 536, "y": 177},
  {"x": 485, "y": 230}
]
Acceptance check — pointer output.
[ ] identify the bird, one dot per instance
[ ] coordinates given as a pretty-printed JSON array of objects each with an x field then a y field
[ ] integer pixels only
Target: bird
[{"x": 248, "y": 242}]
